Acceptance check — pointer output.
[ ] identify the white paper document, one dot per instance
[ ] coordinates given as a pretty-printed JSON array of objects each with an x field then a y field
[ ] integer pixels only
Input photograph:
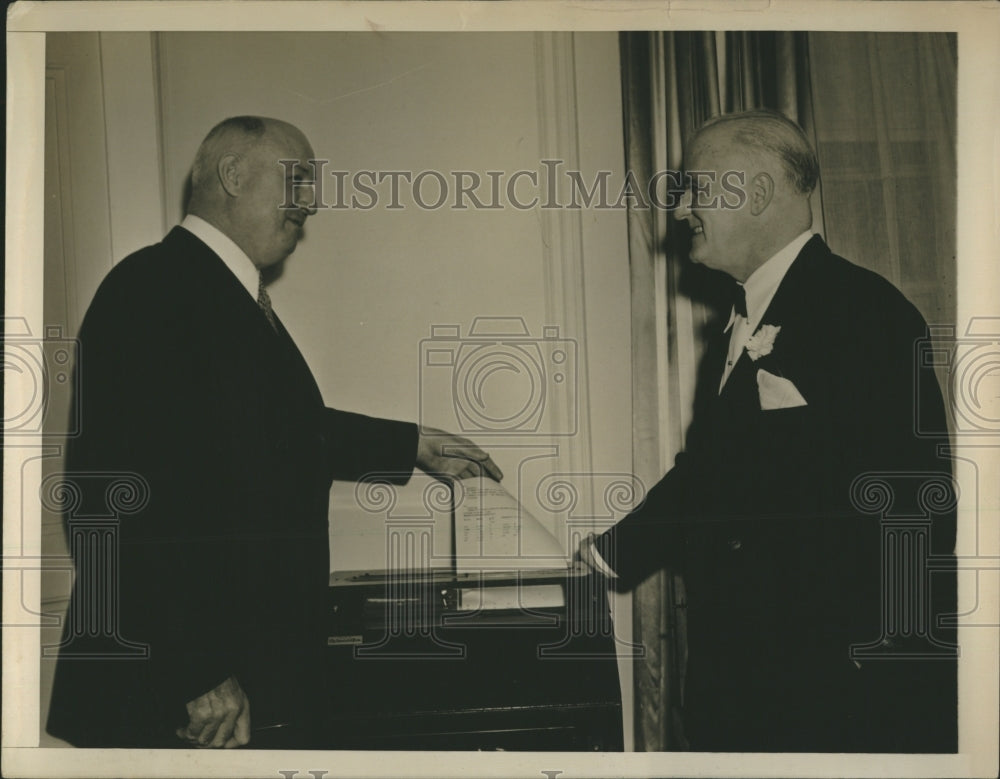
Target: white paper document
[
  {"x": 525, "y": 596},
  {"x": 391, "y": 527},
  {"x": 493, "y": 531}
]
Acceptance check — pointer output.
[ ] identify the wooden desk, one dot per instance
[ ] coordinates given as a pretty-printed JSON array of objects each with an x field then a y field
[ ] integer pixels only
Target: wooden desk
[{"x": 410, "y": 669}]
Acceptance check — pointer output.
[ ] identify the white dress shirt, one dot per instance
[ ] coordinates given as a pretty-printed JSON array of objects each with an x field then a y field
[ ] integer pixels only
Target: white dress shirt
[
  {"x": 233, "y": 256},
  {"x": 760, "y": 288}
]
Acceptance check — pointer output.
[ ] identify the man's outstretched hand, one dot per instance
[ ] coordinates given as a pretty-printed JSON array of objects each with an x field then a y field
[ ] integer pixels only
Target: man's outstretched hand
[
  {"x": 219, "y": 718},
  {"x": 444, "y": 455}
]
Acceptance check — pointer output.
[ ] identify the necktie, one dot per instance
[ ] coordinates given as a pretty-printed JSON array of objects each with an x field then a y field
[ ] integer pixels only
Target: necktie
[
  {"x": 264, "y": 301},
  {"x": 736, "y": 335},
  {"x": 740, "y": 301}
]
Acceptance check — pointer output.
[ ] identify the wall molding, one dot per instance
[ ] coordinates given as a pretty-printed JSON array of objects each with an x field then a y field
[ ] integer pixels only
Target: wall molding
[{"x": 132, "y": 133}]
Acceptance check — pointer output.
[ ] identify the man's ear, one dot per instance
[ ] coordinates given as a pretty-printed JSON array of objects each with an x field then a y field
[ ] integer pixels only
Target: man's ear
[
  {"x": 761, "y": 192},
  {"x": 232, "y": 173}
]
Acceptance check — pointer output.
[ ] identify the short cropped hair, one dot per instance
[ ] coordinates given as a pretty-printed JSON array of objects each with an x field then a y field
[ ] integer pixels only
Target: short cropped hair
[
  {"x": 774, "y": 133},
  {"x": 236, "y": 131}
]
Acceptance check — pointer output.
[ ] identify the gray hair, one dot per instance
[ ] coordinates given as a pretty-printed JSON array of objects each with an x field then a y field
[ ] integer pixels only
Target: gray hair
[
  {"x": 775, "y": 134},
  {"x": 234, "y": 133}
]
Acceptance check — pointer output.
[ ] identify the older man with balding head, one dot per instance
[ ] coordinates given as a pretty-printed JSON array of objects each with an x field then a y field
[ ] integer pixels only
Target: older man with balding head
[
  {"x": 796, "y": 640},
  {"x": 207, "y": 629}
]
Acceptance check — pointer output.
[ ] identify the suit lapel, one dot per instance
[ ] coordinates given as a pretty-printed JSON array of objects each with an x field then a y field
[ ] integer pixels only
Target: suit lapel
[
  {"x": 205, "y": 268},
  {"x": 794, "y": 297},
  {"x": 236, "y": 315},
  {"x": 296, "y": 362},
  {"x": 789, "y": 306}
]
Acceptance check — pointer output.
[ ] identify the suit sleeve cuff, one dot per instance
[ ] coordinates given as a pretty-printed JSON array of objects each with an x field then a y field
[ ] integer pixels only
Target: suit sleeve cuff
[{"x": 598, "y": 559}]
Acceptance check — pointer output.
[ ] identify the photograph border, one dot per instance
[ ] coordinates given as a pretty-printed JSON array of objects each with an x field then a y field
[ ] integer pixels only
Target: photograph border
[{"x": 977, "y": 25}]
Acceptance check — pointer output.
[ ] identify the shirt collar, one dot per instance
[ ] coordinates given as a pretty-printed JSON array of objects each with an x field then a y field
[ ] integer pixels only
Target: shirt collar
[
  {"x": 764, "y": 281},
  {"x": 233, "y": 256}
]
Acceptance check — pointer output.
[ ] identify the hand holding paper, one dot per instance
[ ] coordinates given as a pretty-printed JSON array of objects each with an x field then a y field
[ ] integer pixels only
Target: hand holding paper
[{"x": 444, "y": 455}]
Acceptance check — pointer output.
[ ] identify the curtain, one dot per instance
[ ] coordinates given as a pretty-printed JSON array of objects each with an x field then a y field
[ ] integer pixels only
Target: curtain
[
  {"x": 880, "y": 110},
  {"x": 885, "y": 118}
]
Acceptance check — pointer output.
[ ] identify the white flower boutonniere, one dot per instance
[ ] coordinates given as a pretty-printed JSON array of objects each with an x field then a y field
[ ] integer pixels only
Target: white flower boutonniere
[{"x": 761, "y": 343}]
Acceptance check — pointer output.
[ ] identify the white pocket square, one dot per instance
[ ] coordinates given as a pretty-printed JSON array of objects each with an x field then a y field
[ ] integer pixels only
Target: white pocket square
[{"x": 777, "y": 392}]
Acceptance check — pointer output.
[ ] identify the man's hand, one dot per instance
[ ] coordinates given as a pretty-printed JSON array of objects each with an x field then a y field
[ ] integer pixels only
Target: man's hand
[
  {"x": 219, "y": 718},
  {"x": 444, "y": 455},
  {"x": 587, "y": 554}
]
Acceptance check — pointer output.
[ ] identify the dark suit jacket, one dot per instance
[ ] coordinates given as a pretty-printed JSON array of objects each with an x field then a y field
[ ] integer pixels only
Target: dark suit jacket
[
  {"x": 783, "y": 571},
  {"x": 224, "y": 571}
]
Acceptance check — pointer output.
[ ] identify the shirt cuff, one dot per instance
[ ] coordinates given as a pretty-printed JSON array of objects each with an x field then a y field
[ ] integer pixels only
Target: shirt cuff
[{"x": 599, "y": 562}]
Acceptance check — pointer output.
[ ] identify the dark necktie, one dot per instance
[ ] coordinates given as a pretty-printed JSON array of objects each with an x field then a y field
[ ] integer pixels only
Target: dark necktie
[
  {"x": 740, "y": 301},
  {"x": 264, "y": 301},
  {"x": 739, "y": 309}
]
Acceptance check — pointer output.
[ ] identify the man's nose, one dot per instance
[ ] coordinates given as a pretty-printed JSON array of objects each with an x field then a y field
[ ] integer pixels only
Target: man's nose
[
  {"x": 306, "y": 199},
  {"x": 683, "y": 210}
]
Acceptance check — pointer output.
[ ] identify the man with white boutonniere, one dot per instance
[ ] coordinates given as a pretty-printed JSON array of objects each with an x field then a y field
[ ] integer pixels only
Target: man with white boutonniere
[{"x": 792, "y": 645}]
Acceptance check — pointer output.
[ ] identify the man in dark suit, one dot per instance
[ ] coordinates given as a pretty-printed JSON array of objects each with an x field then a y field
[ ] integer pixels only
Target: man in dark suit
[
  {"x": 808, "y": 391},
  {"x": 189, "y": 382}
]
